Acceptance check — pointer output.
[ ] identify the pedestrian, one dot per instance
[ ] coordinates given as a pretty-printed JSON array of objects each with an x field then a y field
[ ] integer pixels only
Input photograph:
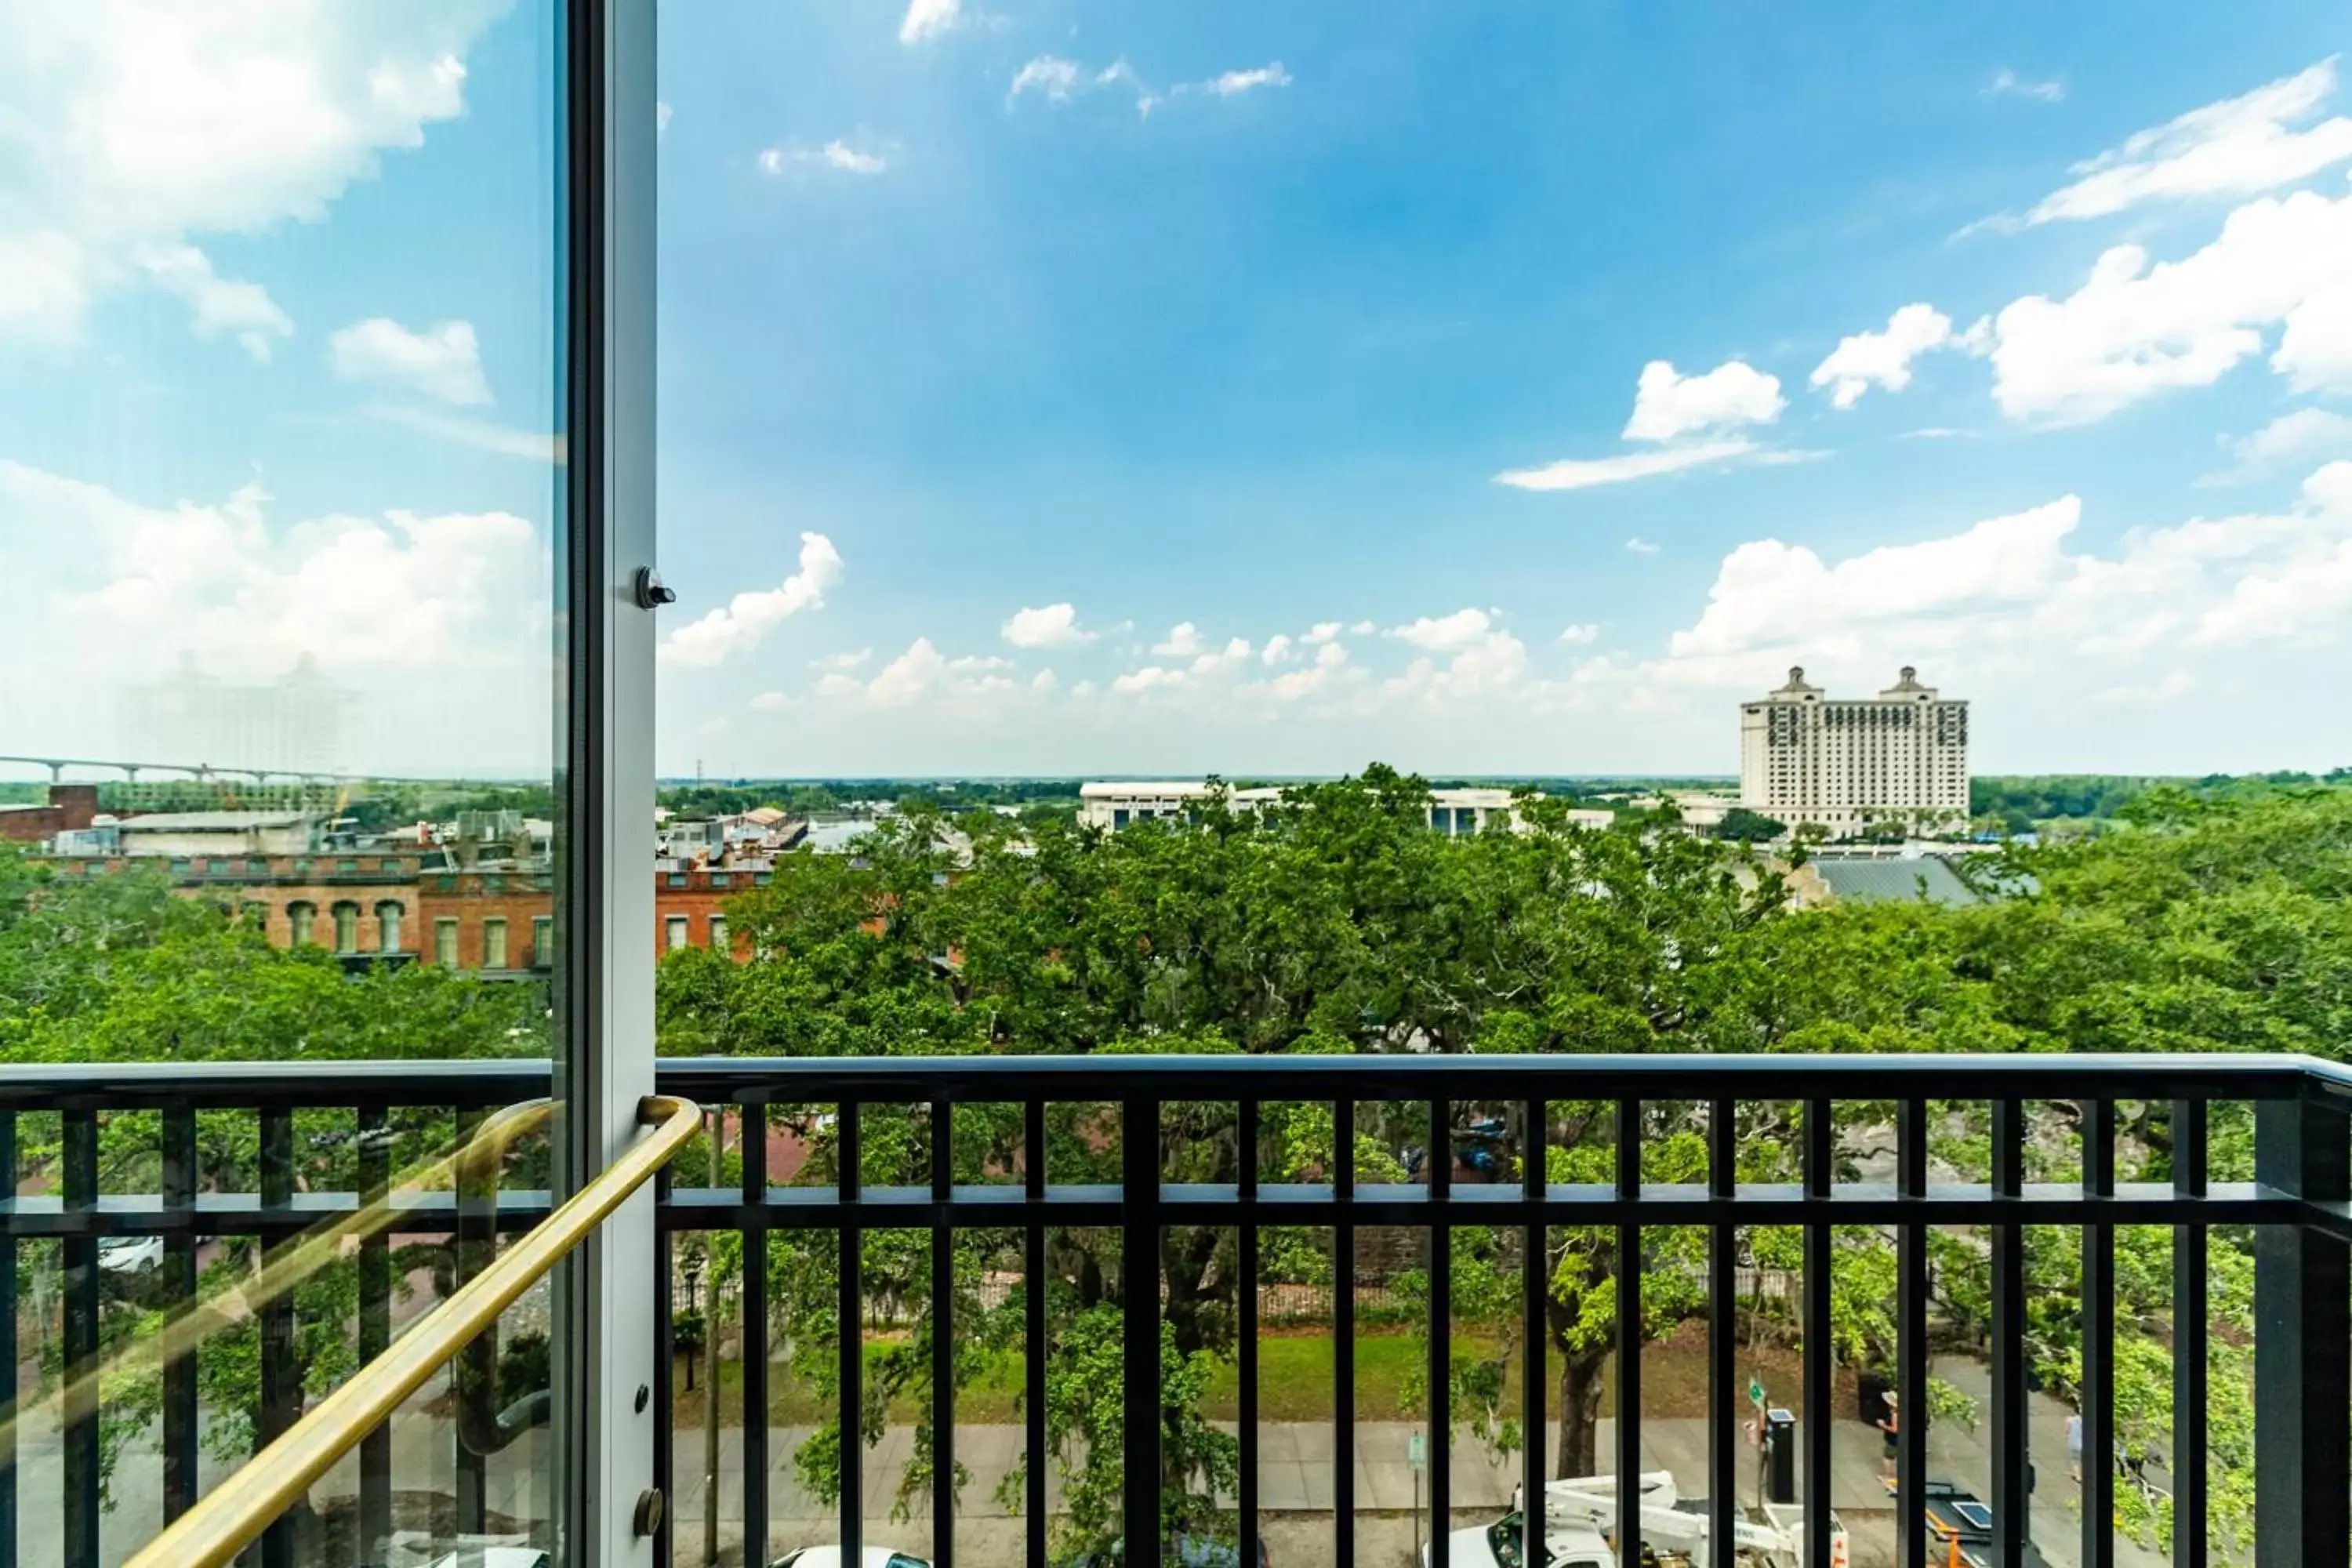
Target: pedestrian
[
  {"x": 1889, "y": 1427},
  {"x": 2075, "y": 1445}
]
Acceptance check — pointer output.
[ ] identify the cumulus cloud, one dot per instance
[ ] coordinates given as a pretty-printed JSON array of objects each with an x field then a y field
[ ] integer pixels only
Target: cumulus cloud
[
  {"x": 1048, "y": 625},
  {"x": 738, "y": 625},
  {"x": 443, "y": 362},
  {"x": 921, "y": 675},
  {"x": 1049, "y": 76},
  {"x": 1322, "y": 631},
  {"x": 1183, "y": 642},
  {"x": 243, "y": 311},
  {"x": 1232, "y": 84},
  {"x": 2132, "y": 330},
  {"x": 1693, "y": 421},
  {"x": 1641, "y": 546},
  {"x": 1279, "y": 649},
  {"x": 837, "y": 155},
  {"x": 1884, "y": 358},
  {"x": 2007, "y": 83},
  {"x": 1444, "y": 634},
  {"x": 928, "y": 19},
  {"x": 1581, "y": 633},
  {"x": 132, "y": 125},
  {"x": 2236, "y": 147},
  {"x": 2303, "y": 436}
]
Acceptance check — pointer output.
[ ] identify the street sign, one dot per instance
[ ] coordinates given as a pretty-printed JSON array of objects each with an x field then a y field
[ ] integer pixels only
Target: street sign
[
  {"x": 1416, "y": 1451},
  {"x": 1754, "y": 1391}
]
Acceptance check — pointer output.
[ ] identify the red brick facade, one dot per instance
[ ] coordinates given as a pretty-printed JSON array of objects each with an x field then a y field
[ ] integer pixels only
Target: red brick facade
[{"x": 71, "y": 807}]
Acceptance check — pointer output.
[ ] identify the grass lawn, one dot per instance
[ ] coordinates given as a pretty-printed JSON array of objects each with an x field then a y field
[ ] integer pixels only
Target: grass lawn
[{"x": 1295, "y": 1382}]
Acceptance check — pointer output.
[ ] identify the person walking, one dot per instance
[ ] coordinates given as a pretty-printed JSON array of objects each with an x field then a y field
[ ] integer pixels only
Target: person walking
[
  {"x": 2075, "y": 1445},
  {"x": 1890, "y": 1426}
]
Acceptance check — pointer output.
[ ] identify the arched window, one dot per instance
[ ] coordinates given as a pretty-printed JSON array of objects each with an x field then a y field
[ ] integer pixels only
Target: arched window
[
  {"x": 387, "y": 927},
  {"x": 347, "y": 927},
  {"x": 300, "y": 916}
]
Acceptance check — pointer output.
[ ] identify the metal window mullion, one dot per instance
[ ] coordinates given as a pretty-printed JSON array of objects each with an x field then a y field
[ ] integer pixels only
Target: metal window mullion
[
  {"x": 2190, "y": 1314},
  {"x": 850, "y": 1346},
  {"x": 1035, "y": 1286},
  {"x": 2011, "y": 1457},
  {"x": 1140, "y": 1288},
  {"x": 79, "y": 1412},
  {"x": 943, "y": 1358},
  {"x": 1439, "y": 1450},
  {"x": 1343, "y": 1332},
  {"x": 2098, "y": 1339},
  {"x": 1535, "y": 1285},
  {"x": 476, "y": 1239},
  {"x": 1911, "y": 1336},
  {"x": 1246, "y": 1306},
  {"x": 10, "y": 1330},
  {"x": 1819, "y": 1176},
  {"x": 178, "y": 1416},
  {"x": 1629, "y": 1324},
  {"x": 1722, "y": 1427},
  {"x": 752, "y": 1145},
  {"x": 665, "y": 1426}
]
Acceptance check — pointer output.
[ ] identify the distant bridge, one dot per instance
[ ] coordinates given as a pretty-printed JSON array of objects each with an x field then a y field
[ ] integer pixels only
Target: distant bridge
[{"x": 207, "y": 772}]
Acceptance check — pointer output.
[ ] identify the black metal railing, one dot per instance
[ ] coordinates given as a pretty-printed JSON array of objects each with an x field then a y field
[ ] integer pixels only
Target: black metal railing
[{"x": 855, "y": 1183}]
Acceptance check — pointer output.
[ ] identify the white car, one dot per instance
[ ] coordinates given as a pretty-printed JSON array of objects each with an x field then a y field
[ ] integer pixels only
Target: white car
[
  {"x": 829, "y": 1556},
  {"x": 1503, "y": 1544}
]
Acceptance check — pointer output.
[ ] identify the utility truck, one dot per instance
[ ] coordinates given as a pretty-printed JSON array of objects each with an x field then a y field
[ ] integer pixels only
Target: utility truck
[{"x": 1580, "y": 1529}]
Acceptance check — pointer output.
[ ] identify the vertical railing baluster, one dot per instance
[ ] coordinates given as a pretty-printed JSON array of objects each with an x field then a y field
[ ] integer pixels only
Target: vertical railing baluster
[
  {"x": 10, "y": 1338},
  {"x": 1911, "y": 1337},
  {"x": 850, "y": 1315},
  {"x": 1535, "y": 1285},
  {"x": 1343, "y": 1330},
  {"x": 943, "y": 1341},
  {"x": 1629, "y": 1328},
  {"x": 2189, "y": 1317},
  {"x": 281, "y": 1371},
  {"x": 665, "y": 1392},
  {"x": 752, "y": 1145},
  {"x": 476, "y": 1239},
  {"x": 1820, "y": 1175},
  {"x": 2301, "y": 1384},
  {"x": 1140, "y": 1504},
  {"x": 179, "y": 1405},
  {"x": 2099, "y": 1337},
  {"x": 2011, "y": 1457},
  {"x": 1722, "y": 1427},
  {"x": 1440, "y": 1445},
  {"x": 1246, "y": 1120},
  {"x": 80, "y": 1415},
  {"x": 373, "y": 1127},
  {"x": 1034, "y": 1287}
]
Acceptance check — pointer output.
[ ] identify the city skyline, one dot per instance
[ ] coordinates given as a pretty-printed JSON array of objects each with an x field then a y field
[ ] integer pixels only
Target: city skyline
[{"x": 1054, "y": 393}]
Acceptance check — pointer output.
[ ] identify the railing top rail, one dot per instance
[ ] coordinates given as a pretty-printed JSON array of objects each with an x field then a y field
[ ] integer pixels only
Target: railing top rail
[{"x": 476, "y": 1082}]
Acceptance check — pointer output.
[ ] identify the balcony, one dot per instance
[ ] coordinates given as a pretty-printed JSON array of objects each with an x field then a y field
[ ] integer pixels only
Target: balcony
[{"x": 873, "y": 1178}]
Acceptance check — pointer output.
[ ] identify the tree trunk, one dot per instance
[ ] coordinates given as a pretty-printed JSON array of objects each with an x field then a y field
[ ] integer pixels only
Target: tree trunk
[{"x": 1580, "y": 1417}]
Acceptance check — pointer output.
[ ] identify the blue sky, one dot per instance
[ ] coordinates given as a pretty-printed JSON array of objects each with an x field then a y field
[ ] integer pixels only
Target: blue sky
[{"x": 1000, "y": 344}]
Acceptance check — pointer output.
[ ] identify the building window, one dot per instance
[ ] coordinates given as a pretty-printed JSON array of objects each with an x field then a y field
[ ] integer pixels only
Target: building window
[
  {"x": 721, "y": 879},
  {"x": 303, "y": 868},
  {"x": 761, "y": 879},
  {"x": 1118, "y": 820},
  {"x": 677, "y": 879},
  {"x": 388, "y": 865},
  {"x": 300, "y": 916},
  {"x": 718, "y": 934},
  {"x": 347, "y": 927},
  {"x": 257, "y": 868},
  {"x": 543, "y": 940},
  {"x": 387, "y": 927},
  {"x": 494, "y": 944},
  {"x": 674, "y": 932},
  {"x": 444, "y": 942},
  {"x": 347, "y": 865}
]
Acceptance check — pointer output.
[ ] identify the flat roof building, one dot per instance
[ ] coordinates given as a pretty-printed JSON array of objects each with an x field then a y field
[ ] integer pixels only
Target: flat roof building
[{"x": 1848, "y": 764}]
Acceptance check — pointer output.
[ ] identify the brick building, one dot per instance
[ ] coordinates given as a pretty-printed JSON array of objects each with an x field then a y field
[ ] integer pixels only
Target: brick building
[{"x": 70, "y": 808}]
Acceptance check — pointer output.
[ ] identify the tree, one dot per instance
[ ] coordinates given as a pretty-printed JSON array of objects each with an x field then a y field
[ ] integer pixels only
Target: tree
[{"x": 1741, "y": 825}]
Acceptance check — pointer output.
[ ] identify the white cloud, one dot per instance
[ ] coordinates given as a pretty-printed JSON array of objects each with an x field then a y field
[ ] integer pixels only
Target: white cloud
[
  {"x": 771, "y": 702},
  {"x": 1668, "y": 405},
  {"x": 928, "y": 19},
  {"x": 2007, "y": 83},
  {"x": 1049, "y": 625},
  {"x": 539, "y": 446},
  {"x": 661, "y": 118},
  {"x": 1580, "y": 635},
  {"x": 1883, "y": 359},
  {"x": 2133, "y": 331},
  {"x": 1049, "y": 75},
  {"x": 2303, "y": 436},
  {"x": 1363, "y": 628},
  {"x": 738, "y": 625},
  {"x": 244, "y": 311},
  {"x": 1044, "y": 681},
  {"x": 1584, "y": 473},
  {"x": 857, "y": 660},
  {"x": 922, "y": 674},
  {"x": 837, "y": 155},
  {"x": 1445, "y": 634},
  {"x": 1279, "y": 649},
  {"x": 2233, "y": 148},
  {"x": 1641, "y": 546},
  {"x": 444, "y": 361},
  {"x": 1235, "y": 82},
  {"x": 134, "y": 124},
  {"x": 1323, "y": 632},
  {"x": 1183, "y": 642}
]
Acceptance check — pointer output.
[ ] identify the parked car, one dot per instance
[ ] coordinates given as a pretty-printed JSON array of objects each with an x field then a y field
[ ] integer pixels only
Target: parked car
[
  {"x": 829, "y": 1556},
  {"x": 1184, "y": 1551}
]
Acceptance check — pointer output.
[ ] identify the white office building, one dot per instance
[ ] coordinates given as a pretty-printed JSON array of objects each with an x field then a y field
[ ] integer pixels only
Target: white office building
[
  {"x": 1118, "y": 805},
  {"x": 1900, "y": 756}
]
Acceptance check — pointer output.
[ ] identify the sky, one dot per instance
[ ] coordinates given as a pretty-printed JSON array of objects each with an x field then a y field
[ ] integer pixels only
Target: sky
[{"x": 1123, "y": 388}]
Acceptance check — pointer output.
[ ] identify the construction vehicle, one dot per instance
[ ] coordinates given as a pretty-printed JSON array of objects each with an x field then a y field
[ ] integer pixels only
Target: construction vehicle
[{"x": 1581, "y": 1523}]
